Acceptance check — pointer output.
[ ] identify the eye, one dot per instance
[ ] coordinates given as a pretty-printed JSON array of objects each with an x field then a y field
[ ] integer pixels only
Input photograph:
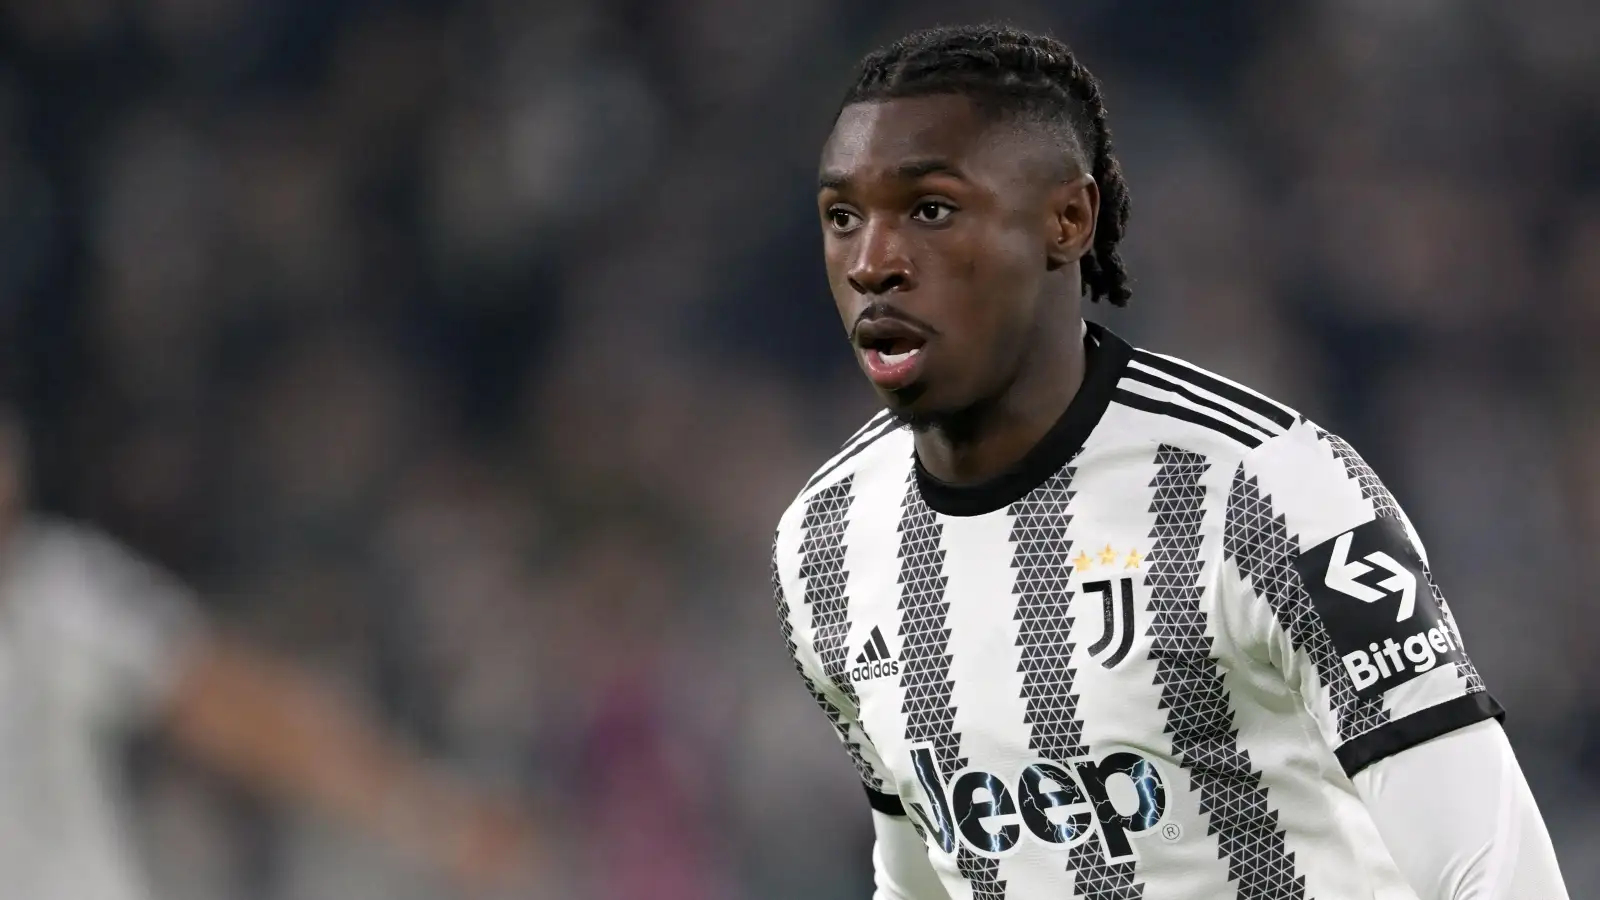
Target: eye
[
  {"x": 932, "y": 211},
  {"x": 841, "y": 219}
]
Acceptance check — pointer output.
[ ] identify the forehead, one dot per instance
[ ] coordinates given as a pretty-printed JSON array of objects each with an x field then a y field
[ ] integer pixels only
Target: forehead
[{"x": 876, "y": 139}]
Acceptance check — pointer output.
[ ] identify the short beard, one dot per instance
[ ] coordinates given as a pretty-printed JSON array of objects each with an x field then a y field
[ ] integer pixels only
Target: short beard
[
  {"x": 959, "y": 426},
  {"x": 918, "y": 423}
]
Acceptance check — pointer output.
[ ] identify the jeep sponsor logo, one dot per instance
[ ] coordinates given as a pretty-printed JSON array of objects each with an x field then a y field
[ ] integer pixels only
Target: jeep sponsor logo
[{"x": 1057, "y": 803}]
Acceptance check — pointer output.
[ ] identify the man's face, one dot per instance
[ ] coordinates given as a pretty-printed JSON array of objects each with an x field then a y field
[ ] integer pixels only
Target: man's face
[{"x": 936, "y": 234}]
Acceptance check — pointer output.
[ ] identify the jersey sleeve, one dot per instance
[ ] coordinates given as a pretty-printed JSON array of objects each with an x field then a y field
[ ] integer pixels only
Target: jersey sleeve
[
  {"x": 901, "y": 869},
  {"x": 1330, "y": 582},
  {"x": 1459, "y": 820},
  {"x": 835, "y": 704},
  {"x": 127, "y": 623}
]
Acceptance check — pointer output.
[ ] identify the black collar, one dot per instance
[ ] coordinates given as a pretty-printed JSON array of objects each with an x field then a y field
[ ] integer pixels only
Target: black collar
[{"x": 1106, "y": 356}]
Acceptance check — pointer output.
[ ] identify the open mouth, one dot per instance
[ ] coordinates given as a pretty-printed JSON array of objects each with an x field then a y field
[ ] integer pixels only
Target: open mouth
[
  {"x": 891, "y": 353},
  {"x": 894, "y": 350}
]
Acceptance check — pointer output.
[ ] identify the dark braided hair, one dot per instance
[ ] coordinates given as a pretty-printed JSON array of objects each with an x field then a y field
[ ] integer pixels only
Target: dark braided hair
[{"x": 1012, "y": 73}]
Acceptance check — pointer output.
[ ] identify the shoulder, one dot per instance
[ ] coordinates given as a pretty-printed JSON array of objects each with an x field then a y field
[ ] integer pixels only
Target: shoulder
[
  {"x": 881, "y": 447},
  {"x": 1315, "y": 483},
  {"x": 65, "y": 565},
  {"x": 1279, "y": 459},
  {"x": 1272, "y": 449},
  {"x": 1165, "y": 399},
  {"x": 49, "y": 546}
]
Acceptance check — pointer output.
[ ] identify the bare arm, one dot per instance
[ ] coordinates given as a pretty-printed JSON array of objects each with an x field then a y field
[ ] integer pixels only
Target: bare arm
[{"x": 272, "y": 727}]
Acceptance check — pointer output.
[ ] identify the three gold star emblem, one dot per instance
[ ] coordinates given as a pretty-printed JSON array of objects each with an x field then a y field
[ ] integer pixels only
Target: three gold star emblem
[{"x": 1109, "y": 556}]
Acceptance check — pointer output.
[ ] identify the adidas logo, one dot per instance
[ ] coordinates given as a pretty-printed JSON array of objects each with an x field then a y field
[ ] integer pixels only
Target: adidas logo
[{"x": 875, "y": 660}]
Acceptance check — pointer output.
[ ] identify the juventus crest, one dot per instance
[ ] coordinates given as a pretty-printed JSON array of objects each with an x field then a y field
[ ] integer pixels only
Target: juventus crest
[
  {"x": 1116, "y": 579},
  {"x": 1116, "y": 603}
]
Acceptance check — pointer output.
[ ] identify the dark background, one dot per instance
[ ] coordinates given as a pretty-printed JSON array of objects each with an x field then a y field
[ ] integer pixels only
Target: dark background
[{"x": 467, "y": 352}]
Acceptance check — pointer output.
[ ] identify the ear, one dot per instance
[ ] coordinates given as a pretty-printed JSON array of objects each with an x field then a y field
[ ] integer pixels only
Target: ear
[{"x": 1074, "y": 209}]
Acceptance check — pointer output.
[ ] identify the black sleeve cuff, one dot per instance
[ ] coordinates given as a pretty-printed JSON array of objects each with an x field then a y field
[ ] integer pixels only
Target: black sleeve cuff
[
  {"x": 1419, "y": 727},
  {"x": 888, "y": 804}
]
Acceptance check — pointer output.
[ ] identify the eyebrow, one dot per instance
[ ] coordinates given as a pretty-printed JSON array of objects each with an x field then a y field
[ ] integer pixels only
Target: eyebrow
[{"x": 909, "y": 170}]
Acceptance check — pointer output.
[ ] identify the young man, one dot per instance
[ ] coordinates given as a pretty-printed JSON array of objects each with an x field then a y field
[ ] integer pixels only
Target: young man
[{"x": 1092, "y": 622}]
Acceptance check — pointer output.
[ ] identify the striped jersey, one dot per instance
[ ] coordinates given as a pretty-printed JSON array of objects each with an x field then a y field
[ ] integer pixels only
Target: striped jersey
[{"x": 1144, "y": 662}]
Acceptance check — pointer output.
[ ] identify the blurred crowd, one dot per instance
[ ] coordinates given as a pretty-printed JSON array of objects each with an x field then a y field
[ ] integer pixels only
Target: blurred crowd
[{"x": 466, "y": 353}]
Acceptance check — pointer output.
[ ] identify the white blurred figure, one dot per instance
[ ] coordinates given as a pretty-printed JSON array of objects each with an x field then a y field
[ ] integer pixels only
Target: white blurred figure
[{"x": 96, "y": 643}]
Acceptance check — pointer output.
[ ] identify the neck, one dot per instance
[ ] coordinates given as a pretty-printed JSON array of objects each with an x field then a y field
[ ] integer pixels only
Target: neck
[{"x": 993, "y": 436}]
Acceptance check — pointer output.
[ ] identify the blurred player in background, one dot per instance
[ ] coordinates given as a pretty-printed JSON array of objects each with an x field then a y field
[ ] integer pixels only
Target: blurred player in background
[
  {"x": 96, "y": 643},
  {"x": 1091, "y": 621}
]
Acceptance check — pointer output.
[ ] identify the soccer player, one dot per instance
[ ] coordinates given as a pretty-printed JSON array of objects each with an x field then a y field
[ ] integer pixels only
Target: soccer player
[
  {"x": 96, "y": 643},
  {"x": 1090, "y": 621}
]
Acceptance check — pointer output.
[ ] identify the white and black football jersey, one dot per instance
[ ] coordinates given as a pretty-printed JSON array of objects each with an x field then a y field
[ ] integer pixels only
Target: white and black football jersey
[
  {"x": 93, "y": 641},
  {"x": 1144, "y": 662}
]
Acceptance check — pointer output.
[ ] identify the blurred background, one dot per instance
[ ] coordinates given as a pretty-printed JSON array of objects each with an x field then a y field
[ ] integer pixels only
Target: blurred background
[{"x": 465, "y": 353}]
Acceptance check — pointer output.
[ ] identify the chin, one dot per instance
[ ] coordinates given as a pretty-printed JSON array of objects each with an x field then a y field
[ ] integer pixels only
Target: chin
[
  {"x": 921, "y": 415},
  {"x": 917, "y": 422},
  {"x": 909, "y": 406}
]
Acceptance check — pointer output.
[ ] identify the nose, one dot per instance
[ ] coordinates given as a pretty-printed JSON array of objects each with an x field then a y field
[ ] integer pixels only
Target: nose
[{"x": 881, "y": 264}]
